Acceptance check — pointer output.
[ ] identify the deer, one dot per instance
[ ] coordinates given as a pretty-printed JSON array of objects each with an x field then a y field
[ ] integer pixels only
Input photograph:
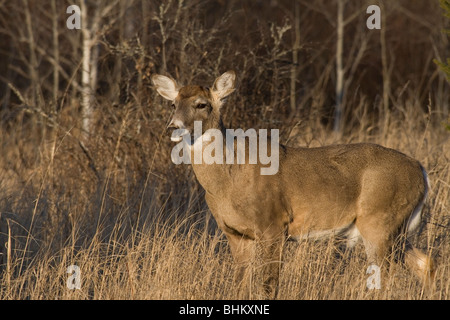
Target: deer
[{"x": 358, "y": 191}]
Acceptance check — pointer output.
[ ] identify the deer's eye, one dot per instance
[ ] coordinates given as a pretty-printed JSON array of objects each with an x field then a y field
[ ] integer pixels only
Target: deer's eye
[{"x": 201, "y": 106}]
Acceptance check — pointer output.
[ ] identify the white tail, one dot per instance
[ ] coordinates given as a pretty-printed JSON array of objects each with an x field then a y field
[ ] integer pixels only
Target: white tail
[
  {"x": 422, "y": 264},
  {"x": 416, "y": 216}
]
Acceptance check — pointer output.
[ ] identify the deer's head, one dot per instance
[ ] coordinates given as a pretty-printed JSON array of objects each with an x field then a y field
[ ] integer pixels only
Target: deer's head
[{"x": 195, "y": 103}]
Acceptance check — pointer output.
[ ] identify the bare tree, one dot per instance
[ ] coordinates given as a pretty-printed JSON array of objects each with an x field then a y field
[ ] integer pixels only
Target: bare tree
[
  {"x": 90, "y": 48},
  {"x": 295, "y": 53},
  {"x": 56, "y": 65},
  {"x": 339, "y": 66}
]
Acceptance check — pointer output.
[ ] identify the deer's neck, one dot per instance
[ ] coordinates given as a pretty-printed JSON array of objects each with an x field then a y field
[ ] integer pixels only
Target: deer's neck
[{"x": 214, "y": 177}]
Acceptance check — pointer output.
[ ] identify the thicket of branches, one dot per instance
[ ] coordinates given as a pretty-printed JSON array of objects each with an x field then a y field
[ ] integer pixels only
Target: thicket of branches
[{"x": 284, "y": 53}]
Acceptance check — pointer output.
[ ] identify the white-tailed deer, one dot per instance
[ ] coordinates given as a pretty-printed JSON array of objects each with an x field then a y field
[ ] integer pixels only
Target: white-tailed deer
[{"x": 359, "y": 191}]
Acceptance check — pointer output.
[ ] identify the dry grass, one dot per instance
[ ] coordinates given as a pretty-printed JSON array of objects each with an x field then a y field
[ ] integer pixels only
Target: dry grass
[
  {"x": 154, "y": 242},
  {"x": 137, "y": 225}
]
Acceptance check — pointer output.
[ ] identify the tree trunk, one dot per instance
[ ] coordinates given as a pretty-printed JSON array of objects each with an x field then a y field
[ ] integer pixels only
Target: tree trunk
[
  {"x": 55, "y": 56},
  {"x": 296, "y": 48},
  {"x": 86, "y": 93},
  {"x": 339, "y": 68}
]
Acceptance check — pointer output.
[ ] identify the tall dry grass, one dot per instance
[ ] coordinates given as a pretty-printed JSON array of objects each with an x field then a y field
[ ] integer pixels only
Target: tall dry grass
[
  {"x": 135, "y": 224},
  {"x": 146, "y": 240}
]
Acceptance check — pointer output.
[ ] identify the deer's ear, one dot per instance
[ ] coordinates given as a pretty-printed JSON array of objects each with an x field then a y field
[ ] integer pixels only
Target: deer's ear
[
  {"x": 166, "y": 87},
  {"x": 224, "y": 85}
]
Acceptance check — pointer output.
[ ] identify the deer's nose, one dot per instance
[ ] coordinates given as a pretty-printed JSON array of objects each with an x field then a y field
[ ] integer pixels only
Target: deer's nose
[
  {"x": 171, "y": 125},
  {"x": 175, "y": 124}
]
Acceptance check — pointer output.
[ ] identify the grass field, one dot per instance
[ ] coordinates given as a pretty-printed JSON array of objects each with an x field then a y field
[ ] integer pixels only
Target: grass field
[
  {"x": 110, "y": 201},
  {"x": 154, "y": 242}
]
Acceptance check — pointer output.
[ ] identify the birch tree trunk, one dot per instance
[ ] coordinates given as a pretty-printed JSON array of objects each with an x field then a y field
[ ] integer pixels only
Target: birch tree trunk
[
  {"x": 339, "y": 67},
  {"x": 386, "y": 71},
  {"x": 86, "y": 90},
  {"x": 55, "y": 55}
]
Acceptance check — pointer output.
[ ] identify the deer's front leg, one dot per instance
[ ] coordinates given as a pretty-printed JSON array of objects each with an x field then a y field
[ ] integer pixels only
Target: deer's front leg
[
  {"x": 271, "y": 252},
  {"x": 262, "y": 256},
  {"x": 243, "y": 250}
]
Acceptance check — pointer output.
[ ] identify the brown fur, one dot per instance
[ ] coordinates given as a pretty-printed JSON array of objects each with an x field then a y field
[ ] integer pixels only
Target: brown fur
[{"x": 365, "y": 185}]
